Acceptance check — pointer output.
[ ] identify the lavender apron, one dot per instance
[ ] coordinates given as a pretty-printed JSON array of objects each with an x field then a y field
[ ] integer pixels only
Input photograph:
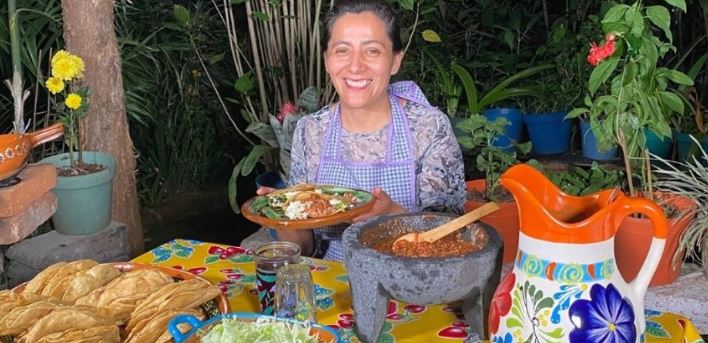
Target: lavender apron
[{"x": 396, "y": 175}]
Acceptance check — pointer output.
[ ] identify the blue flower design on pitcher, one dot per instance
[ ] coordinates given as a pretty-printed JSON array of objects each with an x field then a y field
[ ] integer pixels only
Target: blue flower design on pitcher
[{"x": 606, "y": 317}]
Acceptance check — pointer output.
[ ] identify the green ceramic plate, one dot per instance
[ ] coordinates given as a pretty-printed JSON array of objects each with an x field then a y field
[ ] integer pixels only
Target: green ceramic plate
[{"x": 272, "y": 210}]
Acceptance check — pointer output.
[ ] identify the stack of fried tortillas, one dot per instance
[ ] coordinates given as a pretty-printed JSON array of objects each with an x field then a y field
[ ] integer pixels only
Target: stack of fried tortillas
[{"x": 84, "y": 301}]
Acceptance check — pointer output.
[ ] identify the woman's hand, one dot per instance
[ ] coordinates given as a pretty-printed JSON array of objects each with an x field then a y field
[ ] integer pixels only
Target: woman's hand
[
  {"x": 264, "y": 190},
  {"x": 383, "y": 204}
]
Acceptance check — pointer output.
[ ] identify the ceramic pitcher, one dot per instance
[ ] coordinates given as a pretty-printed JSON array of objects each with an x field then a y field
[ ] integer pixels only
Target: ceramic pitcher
[{"x": 565, "y": 286}]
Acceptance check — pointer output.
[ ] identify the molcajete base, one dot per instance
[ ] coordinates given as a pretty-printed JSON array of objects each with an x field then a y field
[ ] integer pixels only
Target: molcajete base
[{"x": 376, "y": 277}]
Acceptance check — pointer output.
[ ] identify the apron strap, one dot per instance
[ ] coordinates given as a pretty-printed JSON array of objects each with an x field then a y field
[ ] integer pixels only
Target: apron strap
[{"x": 409, "y": 91}]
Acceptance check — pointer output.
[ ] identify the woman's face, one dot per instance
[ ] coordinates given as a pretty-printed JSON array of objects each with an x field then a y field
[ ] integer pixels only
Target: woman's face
[{"x": 360, "y": 60}]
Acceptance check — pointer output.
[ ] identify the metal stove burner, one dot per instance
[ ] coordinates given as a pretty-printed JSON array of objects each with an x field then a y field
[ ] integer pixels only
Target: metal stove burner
[{"x": 11, "y": 181}]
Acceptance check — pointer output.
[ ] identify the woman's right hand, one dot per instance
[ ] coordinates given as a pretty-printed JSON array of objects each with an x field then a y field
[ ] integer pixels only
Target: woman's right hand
[{"x": 264, "y": 190}]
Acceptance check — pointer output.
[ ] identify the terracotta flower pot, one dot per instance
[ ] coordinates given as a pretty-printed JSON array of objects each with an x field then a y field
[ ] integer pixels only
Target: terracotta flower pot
[
  {"x": 505, "y": 221},
  {"x": 634, "y": 237}
]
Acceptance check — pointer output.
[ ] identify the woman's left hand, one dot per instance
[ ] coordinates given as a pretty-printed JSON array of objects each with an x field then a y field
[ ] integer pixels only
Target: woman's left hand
[{"x": 383, "y": 204}]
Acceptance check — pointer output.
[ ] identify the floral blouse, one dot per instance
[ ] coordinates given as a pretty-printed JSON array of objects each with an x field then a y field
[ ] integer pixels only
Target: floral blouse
[{"x": 439, "y": 167}]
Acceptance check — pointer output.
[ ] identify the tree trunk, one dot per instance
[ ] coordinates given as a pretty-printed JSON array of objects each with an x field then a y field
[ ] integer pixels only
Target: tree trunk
[{"x": 89, "y": 32}]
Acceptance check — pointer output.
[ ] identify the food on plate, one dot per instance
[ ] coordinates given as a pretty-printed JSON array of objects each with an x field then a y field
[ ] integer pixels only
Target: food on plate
[
  {"x": 87, "y": 280},
  {"x": 154, "y": 328},
  {"x": 122, "y": 295},
  {"x": 177, "y": 295},
  {"x": 451, "y": 245},
  {"x": 308, "y": 201},
  {"x": 17, "y": 299},
  {"x": 56, "y": 285},
  {"x": 66, "y": 318},
  {"x": 263, "y": 330},
  {"x": 20, "y": 318},
  {"x": 83, "y": 301},
  {"x": 96, "y": 334},
  {"x": 37, "y": 284}
]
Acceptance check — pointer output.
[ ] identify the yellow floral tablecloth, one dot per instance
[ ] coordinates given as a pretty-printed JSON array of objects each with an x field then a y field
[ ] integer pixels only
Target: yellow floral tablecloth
[{"x": 232, "y": 268}]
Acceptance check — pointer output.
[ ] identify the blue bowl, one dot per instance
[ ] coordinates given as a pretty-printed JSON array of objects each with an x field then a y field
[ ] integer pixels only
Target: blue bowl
[{"x": 325, "y": 333}]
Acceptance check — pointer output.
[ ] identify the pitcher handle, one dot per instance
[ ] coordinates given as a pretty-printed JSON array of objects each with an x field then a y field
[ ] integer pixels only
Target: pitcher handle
[{"x": 659, "y": 225}]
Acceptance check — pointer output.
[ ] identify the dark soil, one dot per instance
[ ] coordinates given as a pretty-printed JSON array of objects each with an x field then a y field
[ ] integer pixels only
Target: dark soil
[{"x": 81, "y": 169}]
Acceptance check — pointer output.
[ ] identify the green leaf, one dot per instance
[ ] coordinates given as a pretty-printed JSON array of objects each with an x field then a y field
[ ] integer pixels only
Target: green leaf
[
  {"x": 672, "y": 100},
  {"x": 232, "y": 188},
  {"x": 615, "y": 13},
  {"x": 679, "y": 78},
  {"x": 265, "y": 132},
  {"x": 181, "y": 14},
  {"x": 660, "y": 16},
  {"x": 681, "y": 4},
  {"x": 513, "y": 322},
  {"x": 244, "y": 84},
  {"x": 431, "y": 36},
  {"x": 469, "y": 86},
  {"x": 256, "y": 153},
  {"x": 637, "y": 23},
  {"x": 576, "y": 112},
  {"x": 309, "y": 99},
  {"x": 406, "y": 4},
  {"x": 601, "y": 73},
  {"x": 258, "y": 15}
]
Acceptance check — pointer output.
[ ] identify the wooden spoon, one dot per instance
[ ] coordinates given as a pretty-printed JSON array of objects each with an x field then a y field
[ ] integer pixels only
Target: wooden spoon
[{"x": 449, "y": 227}]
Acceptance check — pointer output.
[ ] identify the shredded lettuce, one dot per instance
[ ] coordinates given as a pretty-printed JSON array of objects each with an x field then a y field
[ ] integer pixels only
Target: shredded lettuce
[{"x": 263, "y": 330}]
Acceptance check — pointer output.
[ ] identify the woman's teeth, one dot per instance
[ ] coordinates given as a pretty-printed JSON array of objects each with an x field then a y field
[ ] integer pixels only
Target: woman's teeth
[{"x": 358, "y": 83}]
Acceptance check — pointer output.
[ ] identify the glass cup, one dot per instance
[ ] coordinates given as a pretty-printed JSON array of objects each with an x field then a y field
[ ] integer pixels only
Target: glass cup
[
  {"x": 269, "y": 258},
  {"x": 295, "y": 293}
]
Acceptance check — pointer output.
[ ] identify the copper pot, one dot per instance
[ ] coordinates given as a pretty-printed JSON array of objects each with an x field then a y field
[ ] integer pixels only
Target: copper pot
[{"x": 15, "y": 149}]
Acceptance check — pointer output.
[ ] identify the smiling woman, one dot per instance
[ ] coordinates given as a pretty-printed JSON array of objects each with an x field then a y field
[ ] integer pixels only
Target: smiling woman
[{"x": 381, "y": 138}]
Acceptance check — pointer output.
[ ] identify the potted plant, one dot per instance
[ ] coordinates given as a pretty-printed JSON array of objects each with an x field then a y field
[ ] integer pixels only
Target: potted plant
[
  {"x": 560, "y": 89},
  {"x": 84, "y": 185},
  {"x": 637, "y": 97},
  {"x": 690, "y": 179},
  {"x": 477, "y": 132},
  {"x": 479, "y": 103},
  {"x": 581, "y": 180},
  {"x": 275, "y": 136}
]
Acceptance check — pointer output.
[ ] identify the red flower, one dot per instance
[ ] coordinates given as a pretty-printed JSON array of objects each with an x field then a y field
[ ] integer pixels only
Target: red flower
[
  {"x": 501, "y": 302},
  {"x": 599, "y": 53},
  {"x": 285, "y": 109}
]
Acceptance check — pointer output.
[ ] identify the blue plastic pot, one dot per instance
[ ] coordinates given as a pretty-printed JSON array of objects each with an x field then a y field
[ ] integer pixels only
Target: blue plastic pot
[
  {"x": 549, "y": 132},
  {"x": 685, "y": 146},
  {"x": 589, "y": 143},
  {"x": 658, "y": 146},
  {"x": 84, "y": 200},
  {"x": 514, "y": 129}
]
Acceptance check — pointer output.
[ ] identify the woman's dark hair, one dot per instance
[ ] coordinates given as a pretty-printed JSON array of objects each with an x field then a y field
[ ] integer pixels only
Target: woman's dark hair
[{"x": 378, "y": 7}]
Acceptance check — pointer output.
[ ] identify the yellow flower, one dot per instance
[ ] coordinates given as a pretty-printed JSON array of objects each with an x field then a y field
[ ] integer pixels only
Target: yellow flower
[
  {"x": 55, "y": 85},
  {"x": 73, "y": 101},
  {"x": 67, "y": 66}
]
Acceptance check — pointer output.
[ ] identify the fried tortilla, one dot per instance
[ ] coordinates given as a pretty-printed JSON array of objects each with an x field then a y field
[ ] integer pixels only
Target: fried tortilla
[
  {"x": 21, "y": 318},
  {"x": 187, "y": 294},
  {"x": 58, "y": 283},
  {"x": 88, "y": 280},
  {"x": 122, "y": 295},
  {"x": 18, "y": 299},
  {"x": 37, "y": 284},
  {"x": 66, "y": 318},
  {"x": 96, "y": 334},
  {"x": 156, "y": 326}
]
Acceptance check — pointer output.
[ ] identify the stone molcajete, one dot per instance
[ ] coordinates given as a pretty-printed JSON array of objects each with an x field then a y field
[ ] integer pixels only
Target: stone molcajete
[
  {"x": 376, "y": 277},
  {"x": 565, "y": 286}
]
